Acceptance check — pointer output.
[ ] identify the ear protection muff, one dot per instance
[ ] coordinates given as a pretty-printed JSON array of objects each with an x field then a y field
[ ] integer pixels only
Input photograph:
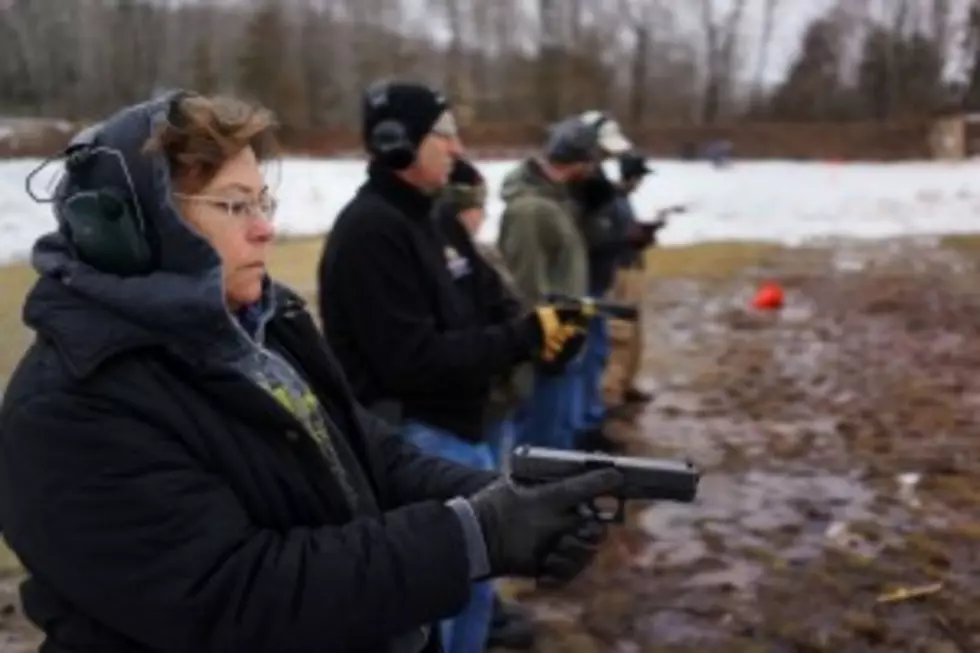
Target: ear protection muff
[
  {"x": 388, "y": 141},
  {"x": 104, "y": 225},
  {"x": 106, "y": 232}
]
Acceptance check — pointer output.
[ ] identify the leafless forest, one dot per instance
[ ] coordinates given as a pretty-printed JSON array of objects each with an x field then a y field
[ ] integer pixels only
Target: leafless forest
[{"x": 651, "y": 61}]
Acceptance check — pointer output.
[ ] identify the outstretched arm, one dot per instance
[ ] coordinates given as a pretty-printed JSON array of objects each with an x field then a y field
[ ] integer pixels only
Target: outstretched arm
[{"x": 120, "y": 518}]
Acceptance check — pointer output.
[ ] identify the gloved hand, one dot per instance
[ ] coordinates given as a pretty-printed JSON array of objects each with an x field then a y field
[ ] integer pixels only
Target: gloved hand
[
  {"x": 561, "y": 331},
  {"x": 637, "y": 236},
  {"x": 572, "y": 554},
  {"x": 538, "y": 531},
  {"x": 643, "y": 235}
]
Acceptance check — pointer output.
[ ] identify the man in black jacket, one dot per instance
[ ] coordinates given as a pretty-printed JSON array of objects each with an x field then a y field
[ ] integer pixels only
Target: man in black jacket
[
  {"x": 183, "y": 467},
  {"x": 412, "y": 343}
]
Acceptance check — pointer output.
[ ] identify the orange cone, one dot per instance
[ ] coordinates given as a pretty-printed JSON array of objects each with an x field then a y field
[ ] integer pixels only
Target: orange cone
[{"x": 769, "y": 297}]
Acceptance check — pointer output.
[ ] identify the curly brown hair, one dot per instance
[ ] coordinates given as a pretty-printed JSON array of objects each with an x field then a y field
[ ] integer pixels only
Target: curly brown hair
[{"x": 203, "y": 132}]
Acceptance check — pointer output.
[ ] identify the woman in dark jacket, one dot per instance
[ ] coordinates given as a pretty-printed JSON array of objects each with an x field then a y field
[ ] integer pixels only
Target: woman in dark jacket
[{"x": 182, "y": 465}]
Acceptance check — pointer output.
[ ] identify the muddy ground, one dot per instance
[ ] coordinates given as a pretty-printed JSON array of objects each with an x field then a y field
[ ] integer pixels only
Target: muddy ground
[
  {"x": 842, "y": 470},
  {"x": 837, "y": 439}
]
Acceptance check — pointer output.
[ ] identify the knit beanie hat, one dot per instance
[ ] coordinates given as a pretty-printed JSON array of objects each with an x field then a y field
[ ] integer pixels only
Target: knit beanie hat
[{"x": 416, "y": 107}]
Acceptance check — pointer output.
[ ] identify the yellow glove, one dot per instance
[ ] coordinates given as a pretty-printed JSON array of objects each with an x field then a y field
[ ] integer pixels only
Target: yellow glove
[{"x": 562, "y": 335}]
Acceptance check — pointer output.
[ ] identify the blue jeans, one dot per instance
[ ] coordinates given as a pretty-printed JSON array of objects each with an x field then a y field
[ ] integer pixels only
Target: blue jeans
[
  {"x": 590, "y": 407},
  {"x": 466, "y": 632},
  {"x": 548, "y": 418},
  {"x": 501, "y": 436}
]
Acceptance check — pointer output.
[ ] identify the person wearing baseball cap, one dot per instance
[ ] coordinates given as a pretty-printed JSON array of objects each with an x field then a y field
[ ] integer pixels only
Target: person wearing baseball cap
[
  {"x": 546, "y": 253},
  {"x": 609, "y": 134},
  {"x": 396, "y": 312},
  {"x": 593, "y": 196}
]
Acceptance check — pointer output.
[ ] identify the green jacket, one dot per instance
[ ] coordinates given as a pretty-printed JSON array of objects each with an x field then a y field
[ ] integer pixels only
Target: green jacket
[{"x": 539, "y": 236}]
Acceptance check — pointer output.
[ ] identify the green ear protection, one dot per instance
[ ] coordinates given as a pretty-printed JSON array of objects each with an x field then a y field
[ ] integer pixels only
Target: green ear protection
[
  {"x": 104, "y": 225},
  {"x": 388, "y": 141},
  {"x": 107, "y": 231}
]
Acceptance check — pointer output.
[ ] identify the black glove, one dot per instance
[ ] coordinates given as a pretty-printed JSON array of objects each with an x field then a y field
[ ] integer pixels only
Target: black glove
[
  {"x": 644, "y": 234},
  {"x": 572, "y": 553},
  {"x": 523, "y": 527},
  {"x": 636, "y": 236}
]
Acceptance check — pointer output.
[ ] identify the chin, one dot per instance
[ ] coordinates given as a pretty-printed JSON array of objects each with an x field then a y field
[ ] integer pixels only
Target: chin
[{"x": 245, "y": 295}]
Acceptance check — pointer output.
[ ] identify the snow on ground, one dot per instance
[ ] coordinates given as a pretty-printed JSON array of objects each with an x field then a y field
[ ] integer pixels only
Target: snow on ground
[{"x": 783, "y": 201}]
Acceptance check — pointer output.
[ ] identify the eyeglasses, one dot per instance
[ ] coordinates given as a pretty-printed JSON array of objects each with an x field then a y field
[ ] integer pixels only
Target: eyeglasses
[{"x": 265, "y": 207}]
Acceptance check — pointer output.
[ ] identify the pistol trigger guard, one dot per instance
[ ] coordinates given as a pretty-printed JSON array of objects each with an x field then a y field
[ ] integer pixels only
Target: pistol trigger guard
[{"x": 609, "y": 516}]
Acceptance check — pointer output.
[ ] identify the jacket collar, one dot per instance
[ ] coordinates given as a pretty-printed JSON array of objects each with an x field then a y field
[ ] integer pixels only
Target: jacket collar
[
  {"x": 88, "y": 333},
  {"x": 407, "y": 198},
  {"x": 534, "y": 175}
]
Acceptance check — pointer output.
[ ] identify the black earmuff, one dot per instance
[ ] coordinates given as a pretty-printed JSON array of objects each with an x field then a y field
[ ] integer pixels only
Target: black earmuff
[{"x": 388, "y": 141}]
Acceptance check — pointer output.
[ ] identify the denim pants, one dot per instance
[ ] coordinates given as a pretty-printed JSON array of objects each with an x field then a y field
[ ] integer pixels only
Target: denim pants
[
  {"x": 466, "y": 632},
  {"x": 590, "y": 407},
  {"x": 501, "y": 436},
  {"x": 549, "y": 417}
]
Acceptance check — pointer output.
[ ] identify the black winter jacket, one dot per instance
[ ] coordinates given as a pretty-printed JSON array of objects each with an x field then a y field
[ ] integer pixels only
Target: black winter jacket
[
  {"x": 605, "y": 229},
  {"x": 164, "y": 504},
  {"x": 396, "y": 313}
]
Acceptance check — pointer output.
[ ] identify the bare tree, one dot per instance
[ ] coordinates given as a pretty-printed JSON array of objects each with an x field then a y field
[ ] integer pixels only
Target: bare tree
[
  {"x": 720, "y": 41},
  {"x": 769, "y": 11},
  {"x": 504, "y": 61}
]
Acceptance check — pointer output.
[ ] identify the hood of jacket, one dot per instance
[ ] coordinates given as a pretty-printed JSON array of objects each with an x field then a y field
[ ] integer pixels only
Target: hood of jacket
[{"x": 182, "y": 299}]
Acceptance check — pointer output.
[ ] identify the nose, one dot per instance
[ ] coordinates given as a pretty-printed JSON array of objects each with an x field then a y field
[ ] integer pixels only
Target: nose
[
  {"x": 261, "y": 230},
  {"x": 455, "y": 146}
]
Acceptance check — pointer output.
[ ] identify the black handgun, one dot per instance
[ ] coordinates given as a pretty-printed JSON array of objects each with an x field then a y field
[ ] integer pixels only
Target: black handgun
[
  {"x": 659, "y": 221},
  {"x": 590, "y": 307},
  {"x": 660, "y": 218},
  {"x": 651, "y": 479}
]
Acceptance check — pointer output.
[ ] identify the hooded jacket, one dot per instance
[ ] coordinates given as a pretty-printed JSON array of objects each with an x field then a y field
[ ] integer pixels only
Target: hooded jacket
[{"x": 175, "y": 478}]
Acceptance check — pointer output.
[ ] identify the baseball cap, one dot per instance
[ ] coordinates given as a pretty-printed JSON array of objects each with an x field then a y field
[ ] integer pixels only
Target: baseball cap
[
  {"x": 573, "y": 141},
  {"x": 611, "y": 139}
]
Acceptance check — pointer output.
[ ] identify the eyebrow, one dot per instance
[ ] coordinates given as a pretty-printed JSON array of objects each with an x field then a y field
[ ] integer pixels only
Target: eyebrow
[{"x": 240, "y": 187}]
